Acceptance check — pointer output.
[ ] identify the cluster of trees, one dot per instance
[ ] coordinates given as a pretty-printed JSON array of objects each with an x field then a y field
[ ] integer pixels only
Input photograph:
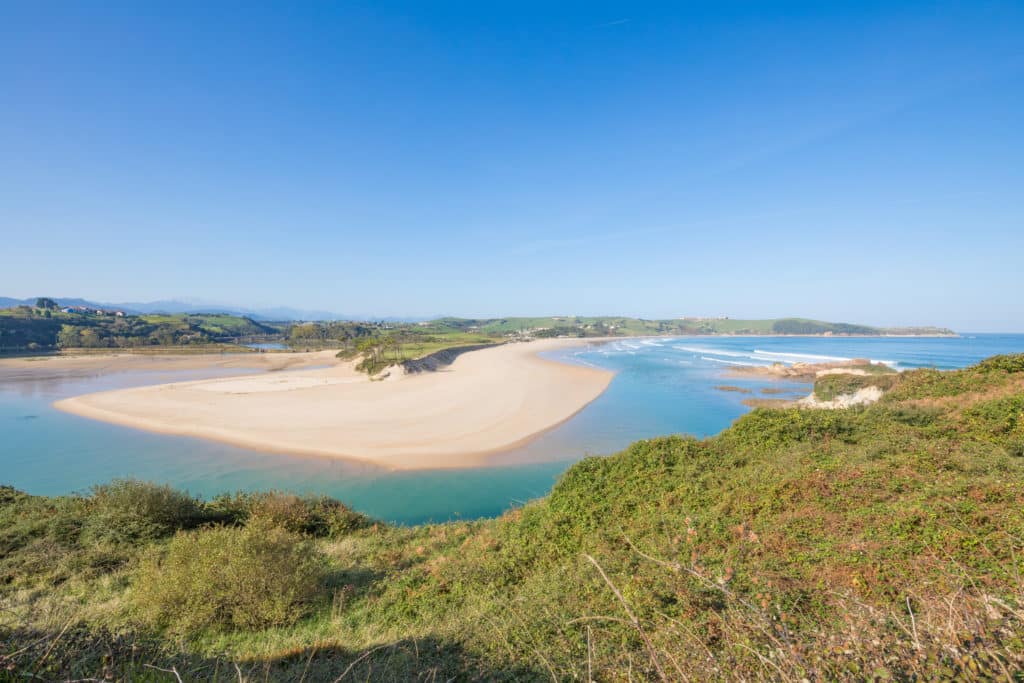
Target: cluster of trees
[
  {"x": 126, "y": 336},
  {"x": 379, "y": 352},
  {"x": 356, "y": 337},
  {"x": 329, "y": 332},
  {"x": 45, "y": 327},
  {"x": 19, "y": 334}
]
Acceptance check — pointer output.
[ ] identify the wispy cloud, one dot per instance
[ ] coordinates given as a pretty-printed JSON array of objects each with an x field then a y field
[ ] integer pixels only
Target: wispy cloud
[{"x": 616, "y": 22}]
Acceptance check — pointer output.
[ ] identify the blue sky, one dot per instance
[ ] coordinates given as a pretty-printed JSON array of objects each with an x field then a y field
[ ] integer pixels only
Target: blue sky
[{"x": 848, "y": 161}]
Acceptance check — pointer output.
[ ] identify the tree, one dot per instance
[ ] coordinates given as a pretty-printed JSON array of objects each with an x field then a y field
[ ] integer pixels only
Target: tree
[
  {"x": 46, "y": 303},
  {"x": 91, "y": 338},
  {"x": 69, "y": 337}
]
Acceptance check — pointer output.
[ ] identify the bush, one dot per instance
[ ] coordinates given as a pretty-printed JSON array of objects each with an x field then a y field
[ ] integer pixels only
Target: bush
[
  {"x": 915, "y": 416},
  {"x": 127, "y": 510},
  {"x": 776, "y": 428},
  {"x": 312, "y": 516},
  {"x": 254, "y": 576},
  {"x": 998, "y": 418},
  {"x": 830, "y": 387},
  {"x": 1010, "y": 363}
]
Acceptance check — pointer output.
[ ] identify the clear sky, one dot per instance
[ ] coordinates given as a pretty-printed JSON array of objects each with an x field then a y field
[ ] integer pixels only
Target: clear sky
[{"x": 859, "y": 161}]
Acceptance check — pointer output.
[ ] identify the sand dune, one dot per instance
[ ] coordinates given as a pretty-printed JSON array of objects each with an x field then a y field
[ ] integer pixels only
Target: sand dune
[{"x": 486, "y": 401}]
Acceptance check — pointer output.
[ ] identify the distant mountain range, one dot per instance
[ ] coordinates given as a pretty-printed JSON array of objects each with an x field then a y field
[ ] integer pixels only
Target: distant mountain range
[{"x": 179, "y": 306}]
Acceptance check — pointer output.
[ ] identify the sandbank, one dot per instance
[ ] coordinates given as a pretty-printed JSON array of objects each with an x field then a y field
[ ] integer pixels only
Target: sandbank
[
  {"x": 485, "y": 402},
  {"x": 89, "y": 365}
]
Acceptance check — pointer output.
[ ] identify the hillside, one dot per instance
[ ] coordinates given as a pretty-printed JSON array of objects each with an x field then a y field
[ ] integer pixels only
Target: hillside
[
  {"x": 30, "y": 328},
  {"x": 173, "y": 306},
  {"x": 623, "y": 326},
  {"x": 62, "y": 326},
  {"x": 882, "y": 542}
]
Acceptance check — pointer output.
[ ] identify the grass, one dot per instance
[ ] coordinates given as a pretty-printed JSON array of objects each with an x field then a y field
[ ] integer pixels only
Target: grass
[{"x": 881, "y": 542}]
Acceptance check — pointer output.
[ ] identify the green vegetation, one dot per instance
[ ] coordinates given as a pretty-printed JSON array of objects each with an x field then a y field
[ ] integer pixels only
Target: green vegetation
[
  {"x": 129, "y": 511},
  {"x": 829, "y": 387},
  {"x": 47, "y": 328},
  {"x": 882, "y": 542},
  {"x": 247, "y": 577}
]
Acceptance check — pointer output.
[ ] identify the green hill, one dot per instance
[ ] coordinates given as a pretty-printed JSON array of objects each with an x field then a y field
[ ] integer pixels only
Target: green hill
[
  {"x": 883, "y": 542},
  {"x": 623, "y": 326},
  {"x": 48, "y": 329},
  {"x": 26, "y": 328}
]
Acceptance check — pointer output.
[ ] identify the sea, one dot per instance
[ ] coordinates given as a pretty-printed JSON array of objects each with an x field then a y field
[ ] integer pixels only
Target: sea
[{"x": 663, "y": 385}]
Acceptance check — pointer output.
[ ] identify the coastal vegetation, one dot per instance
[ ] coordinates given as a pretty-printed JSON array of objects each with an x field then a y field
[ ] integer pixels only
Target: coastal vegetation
[
  {"x": 881, "y": 542},
  {"x": 47, "y": 328}
]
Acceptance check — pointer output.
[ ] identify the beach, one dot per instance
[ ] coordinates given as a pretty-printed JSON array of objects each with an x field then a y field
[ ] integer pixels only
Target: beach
[{"x": 485, "y": 402}]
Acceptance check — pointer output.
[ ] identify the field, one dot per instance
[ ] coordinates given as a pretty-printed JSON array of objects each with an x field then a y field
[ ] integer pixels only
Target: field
[{"x": 882, "y": 542}]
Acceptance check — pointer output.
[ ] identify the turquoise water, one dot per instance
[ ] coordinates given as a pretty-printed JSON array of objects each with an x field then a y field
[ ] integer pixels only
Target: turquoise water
[{"x": 662, "y": 386}]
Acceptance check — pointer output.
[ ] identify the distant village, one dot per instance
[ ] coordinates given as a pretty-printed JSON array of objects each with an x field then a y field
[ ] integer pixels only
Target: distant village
[{"x": 85, "y": 310}]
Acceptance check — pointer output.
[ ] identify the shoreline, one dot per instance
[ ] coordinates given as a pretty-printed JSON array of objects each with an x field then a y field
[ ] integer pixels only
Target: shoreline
[
  {"x": 486, "y": 402},
  {"x": 89, "y": 365}
]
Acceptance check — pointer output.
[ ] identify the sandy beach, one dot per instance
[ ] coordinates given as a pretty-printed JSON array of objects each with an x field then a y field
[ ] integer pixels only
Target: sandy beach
[{"x": 485, "y": 402}]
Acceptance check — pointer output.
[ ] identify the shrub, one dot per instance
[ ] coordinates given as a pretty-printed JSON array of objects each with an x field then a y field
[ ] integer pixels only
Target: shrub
[
  {"x": 1001, "y": 417},
  {"x": 829, "y": 387},
  {"x": 1010, "y": 363},
  {"x": 915, "y": 416},
  {"x": 127, "y": 510},
  {"x": 254, "y": 576},
  {"x": 775, "y": 428},
  {"x": 313, "y": 516}
]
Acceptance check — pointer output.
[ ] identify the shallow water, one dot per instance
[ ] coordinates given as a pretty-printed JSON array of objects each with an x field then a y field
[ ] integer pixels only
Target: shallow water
[{"x": 662, "y": 386}]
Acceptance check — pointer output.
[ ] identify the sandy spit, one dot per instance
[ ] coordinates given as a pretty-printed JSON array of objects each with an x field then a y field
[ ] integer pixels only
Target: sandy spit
[{"x": 485, "y": 402}]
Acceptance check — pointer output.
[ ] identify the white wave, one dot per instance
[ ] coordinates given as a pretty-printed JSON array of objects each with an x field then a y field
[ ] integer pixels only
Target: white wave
[
  {"x": 727, "y": 362},
  {"x": 713, "y": 352},
  {"x": 768, "y": 355},
  {"x": 803, "y": 357}
]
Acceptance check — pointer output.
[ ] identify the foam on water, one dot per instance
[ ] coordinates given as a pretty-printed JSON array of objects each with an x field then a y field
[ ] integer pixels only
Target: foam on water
[
  {"x": 714, "y": 352},
  {"x": 799, "y": 357},
  {"x": 761, "y": 357},
  {"x": 722, "y": 360}
]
